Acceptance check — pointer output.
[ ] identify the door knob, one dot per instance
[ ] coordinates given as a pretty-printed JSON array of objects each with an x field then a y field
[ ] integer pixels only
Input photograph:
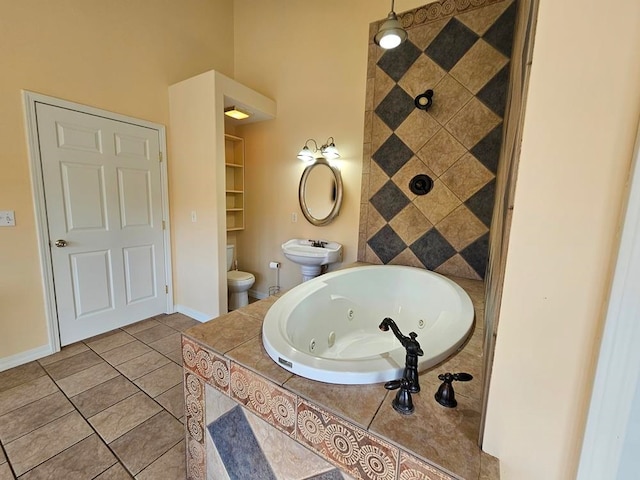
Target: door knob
[{"x": 61, "y": 243}]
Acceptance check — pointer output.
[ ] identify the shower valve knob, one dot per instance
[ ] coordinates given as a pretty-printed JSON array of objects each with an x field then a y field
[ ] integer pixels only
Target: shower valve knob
[{"x": 445, "y": 395}]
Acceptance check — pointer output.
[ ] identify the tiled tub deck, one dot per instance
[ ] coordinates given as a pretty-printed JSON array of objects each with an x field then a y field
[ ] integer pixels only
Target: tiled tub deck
[{"x": 247, "y": 417}]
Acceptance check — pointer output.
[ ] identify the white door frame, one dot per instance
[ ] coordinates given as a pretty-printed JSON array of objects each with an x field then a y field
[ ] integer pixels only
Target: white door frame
[
  {"x": 618, "y": 371},
  {"x": 46, "y": 268}
]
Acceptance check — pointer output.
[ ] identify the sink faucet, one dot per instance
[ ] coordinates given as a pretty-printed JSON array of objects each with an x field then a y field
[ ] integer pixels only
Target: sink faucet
[
  {"x": 413, "y": 349},
  {"x": 318, "y": 243}
]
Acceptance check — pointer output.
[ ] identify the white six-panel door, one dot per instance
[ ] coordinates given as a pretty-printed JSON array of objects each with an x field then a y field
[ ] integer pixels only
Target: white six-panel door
[{"x": 102, "y": 186}]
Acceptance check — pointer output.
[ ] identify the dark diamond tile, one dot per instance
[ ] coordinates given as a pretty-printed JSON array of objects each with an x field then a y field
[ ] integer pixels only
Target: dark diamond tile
[
  {"x": 389, "y": 200},
  {"x": 487, "y": 150},
  {"x": 397, "y": 61},
  {"x": 432, "y": 249},
  {"x": 477, "y": 254},
  {"x": 386, "y": 244},
  {"x": 392, "y": 155},
  {"x": 500, "y": 34},
  {"x": 481, "y": 203},
  {"x": 453, "y": 41},
  {"x": 231, "y": 430},
  {"x": 395, "y": 107},
  {"x": 494, "y": 93}
]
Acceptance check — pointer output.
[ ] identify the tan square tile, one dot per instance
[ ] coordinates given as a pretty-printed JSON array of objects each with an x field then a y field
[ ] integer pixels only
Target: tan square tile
[
  {"x": 85, "y": 459},
  {"x": 424, "y": 74},
  {"x": 459, "y": 267},
  {"x": 383, "y": 85},
  {"x": 441, "y": 151},
  {"x": 423, "y": 35},
  {"x": 104, "y": 395},
  {"x": 438, "y": 203},
  {"x": 32, "y": 416},
  {"x": 472, "y": 123},
  {"x": 258, "y": 309},
  {"x": 408, "y": 258},
  {"x": 142, "y": 365},
  {"x": 417, "y": 129},
  {"x": 448, "y": 98},
  {"x": 34, "y": 448},
  {"x": 410, "y": 224},
  {"x": 160, "y": 380},
  {"x": 478, "y": 66},
  {"x": 118, "y": 419},
  {"x": 173, "y": 400},
  {"x": 116, "y": 472},
  {"x": 375, "y": 221},
  {"x": 84, "y": 380},
  {"x": 117, "y": 339},
  {"x": 170, "y": 466},
  {"x": 126, "y": 352},
  {"x": 153, "y": 334},
  {"x": 74, "y": 364},
  {"x": 19, "y": 375},
  {"x": 370, "y": 256},
  {"x": 481, "y": 19},
  {"x": 229, "y": 331},
  {"x": 149, "y": 441},
  {"x": 140, "y": 326},
  {"x": 466, "y": 177},
  {"x": 26, "y": 393},
  {"x": 178, "y": 321},
  {"x": 489, "y": 467},
  {"x": 377, "y": 178},
  {"x": 380, "y": 132},
  {"x": 461, "y": 227},
  {"x": 252, "y": 355},
  {"x": 65, "y": 352}
]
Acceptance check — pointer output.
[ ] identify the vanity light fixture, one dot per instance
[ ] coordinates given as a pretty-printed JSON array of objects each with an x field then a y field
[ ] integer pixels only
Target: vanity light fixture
[
  {"x": 236, "y": 113},
  {"x": 391, "y": 34},
  {"x": 328, "y": 150}
]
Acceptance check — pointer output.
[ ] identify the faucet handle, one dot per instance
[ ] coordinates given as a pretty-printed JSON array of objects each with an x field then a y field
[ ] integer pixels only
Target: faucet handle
[{"x": 445, "y": 395}]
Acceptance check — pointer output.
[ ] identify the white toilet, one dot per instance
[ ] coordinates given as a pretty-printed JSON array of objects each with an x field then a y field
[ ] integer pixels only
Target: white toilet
[{"x": 238, "y": 283}]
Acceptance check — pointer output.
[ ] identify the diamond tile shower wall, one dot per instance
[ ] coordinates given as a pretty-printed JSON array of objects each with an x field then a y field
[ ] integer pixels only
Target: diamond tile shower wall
[{"x": 461, "y": 50}]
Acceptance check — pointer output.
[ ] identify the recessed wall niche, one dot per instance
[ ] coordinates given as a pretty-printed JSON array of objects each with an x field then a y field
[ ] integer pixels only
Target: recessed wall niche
[{"x": 461, "y": 50}]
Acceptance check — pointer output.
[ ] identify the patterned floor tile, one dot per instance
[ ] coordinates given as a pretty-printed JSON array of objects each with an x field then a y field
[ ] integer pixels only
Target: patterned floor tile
[
  {"x": 33, "y": 416},
  {"x": 149, "y": 441},
  {"x": 103, "y": 396},
  {"x": 170, "y": 466},
  {"x": 86, "y": 379},
  {"x": 160, "y": 380},
  {"x": 38, "y": 446},
  {"x": 19, "y": 375},
  {"x": 122, "y": 417},
  {"x": 84, "y": 460},
  {"x": 142, "y": 365}
]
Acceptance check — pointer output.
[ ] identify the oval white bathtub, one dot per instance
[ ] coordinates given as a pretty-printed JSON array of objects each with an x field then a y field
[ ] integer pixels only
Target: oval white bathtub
[{"x": 326, "y": 329}]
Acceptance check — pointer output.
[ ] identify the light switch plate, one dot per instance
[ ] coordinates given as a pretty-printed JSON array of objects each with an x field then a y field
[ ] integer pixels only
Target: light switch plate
[{"x": 7, "y": 218}]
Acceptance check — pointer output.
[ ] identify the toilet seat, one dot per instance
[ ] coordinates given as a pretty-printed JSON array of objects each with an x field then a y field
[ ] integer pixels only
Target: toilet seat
[{"x": 239, "y": 276}]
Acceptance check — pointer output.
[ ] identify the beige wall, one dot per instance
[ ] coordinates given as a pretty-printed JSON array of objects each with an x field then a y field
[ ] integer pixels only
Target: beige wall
[
  {"x": 311, "y": 57},
  {"x": 117, "y": 55},
  {"x": 581, "y": 119}
]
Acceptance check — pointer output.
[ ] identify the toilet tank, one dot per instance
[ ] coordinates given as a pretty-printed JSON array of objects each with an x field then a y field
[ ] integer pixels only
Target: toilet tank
[{"x": 229, "y": 257}]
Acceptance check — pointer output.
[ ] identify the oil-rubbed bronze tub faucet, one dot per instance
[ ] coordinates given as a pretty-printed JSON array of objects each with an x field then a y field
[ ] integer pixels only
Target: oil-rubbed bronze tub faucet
[{"x": 413, "y": 349}]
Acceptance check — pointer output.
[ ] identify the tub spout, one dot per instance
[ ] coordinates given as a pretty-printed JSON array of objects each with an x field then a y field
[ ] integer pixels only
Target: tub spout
[{"x": 413, "y": 349}]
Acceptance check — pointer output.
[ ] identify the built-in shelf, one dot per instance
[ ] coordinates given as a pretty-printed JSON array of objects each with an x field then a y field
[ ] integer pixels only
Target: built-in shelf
[{"x": 234, "y": 180}]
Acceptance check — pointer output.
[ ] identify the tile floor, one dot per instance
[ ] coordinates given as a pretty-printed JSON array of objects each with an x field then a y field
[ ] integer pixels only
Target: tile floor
[{"x": 108, "y": 408}]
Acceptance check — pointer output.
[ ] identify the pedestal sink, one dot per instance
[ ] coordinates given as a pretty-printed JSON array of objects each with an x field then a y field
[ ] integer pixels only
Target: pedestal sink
[{"x": 311, "y": 255}]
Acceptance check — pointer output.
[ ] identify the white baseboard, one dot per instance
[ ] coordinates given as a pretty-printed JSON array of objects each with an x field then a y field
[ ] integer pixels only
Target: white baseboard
[
  {"x": 257, "y": 294},
  {"x": 25, "y": 357},
  {"x": 195, "y": 314}
]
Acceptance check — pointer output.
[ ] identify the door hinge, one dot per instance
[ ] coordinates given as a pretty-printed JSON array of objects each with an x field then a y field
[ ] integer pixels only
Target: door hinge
[
  {"x": 163, "y": 225},
  {"x": 160, "y": 156},
  {"x": 166, "y": 289}
]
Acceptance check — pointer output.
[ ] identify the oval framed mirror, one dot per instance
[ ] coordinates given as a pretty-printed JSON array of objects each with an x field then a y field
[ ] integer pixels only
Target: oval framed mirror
[{"x": 320, "y": 192}]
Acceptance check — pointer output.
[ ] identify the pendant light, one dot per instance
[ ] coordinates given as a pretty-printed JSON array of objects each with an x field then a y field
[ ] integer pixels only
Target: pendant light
[{"x": 391, "y": 33}]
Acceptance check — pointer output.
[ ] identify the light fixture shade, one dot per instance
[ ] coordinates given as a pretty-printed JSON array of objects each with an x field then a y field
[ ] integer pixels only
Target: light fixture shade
[
  {"x": 236, "y": 113},
  {"x": 305, "y": 154},
  {"x": 391, "y": 33},
  {"x": 330, "y": 152}
]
